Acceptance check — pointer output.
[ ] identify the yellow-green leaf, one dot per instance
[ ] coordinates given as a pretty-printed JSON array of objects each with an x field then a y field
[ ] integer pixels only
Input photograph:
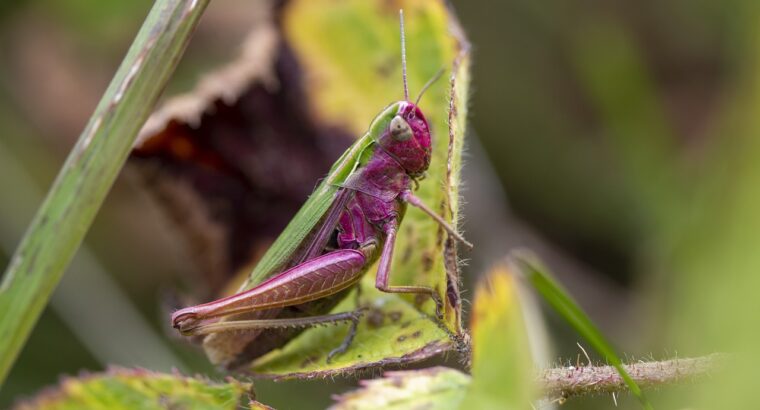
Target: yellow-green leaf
[
  {"x": 503, "y": 374},
  {"x": 141, "y": 389},
  {"x": 432, "y": 388},
  {"x": 392, "y": 332}
]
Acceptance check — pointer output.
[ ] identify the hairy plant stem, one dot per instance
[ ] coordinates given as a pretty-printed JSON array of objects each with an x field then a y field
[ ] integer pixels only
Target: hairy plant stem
[{"x": 565, "y": 382}]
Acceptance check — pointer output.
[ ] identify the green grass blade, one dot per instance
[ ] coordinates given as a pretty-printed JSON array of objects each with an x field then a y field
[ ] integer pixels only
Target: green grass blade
[
  {"x": 82, "y": 184},
  {"x": 553, "y": 293}
]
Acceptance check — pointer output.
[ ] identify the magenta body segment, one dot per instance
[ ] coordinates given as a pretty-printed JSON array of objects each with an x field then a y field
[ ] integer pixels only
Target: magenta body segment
[{"x": 313, "y": 279}]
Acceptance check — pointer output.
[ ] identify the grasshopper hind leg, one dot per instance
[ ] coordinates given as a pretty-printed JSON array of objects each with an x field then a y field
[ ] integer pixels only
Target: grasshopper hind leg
[
  {"x": 352, "y": 329},
  {"x": 351, "y": 317},
  {"x": 357, "y": 314},
  {"x": 354, "y": 317},
  {"x": 296, "y": 322}
]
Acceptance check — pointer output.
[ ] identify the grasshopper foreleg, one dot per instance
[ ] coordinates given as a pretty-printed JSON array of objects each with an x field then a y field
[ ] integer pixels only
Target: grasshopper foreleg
[
  {"x": 382, "y": 281},
  {"x": 411, "y": 199}
]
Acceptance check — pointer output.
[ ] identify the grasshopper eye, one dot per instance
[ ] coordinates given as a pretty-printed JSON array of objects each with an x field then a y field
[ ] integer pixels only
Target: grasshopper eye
[{"x": 400, "y": 129}]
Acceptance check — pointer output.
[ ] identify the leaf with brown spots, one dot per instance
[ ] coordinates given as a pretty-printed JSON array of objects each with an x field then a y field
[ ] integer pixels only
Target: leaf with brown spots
[
  {"x": 433, "y": 388},
  {"x": 143, "y": 389}
]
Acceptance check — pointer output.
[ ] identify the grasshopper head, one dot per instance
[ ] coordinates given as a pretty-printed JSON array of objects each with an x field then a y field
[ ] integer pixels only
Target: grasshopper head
[{"x": 407, "y": 139}]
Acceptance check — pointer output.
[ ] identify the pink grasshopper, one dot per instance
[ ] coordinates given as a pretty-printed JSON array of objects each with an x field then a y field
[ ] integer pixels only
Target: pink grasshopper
[{"x": 359, "y": 227}]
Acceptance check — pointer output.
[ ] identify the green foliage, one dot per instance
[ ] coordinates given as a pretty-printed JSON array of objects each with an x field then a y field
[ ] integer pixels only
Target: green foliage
[
  {"x": 392, "y": 332},
  {"x": 349, "y": 55}
]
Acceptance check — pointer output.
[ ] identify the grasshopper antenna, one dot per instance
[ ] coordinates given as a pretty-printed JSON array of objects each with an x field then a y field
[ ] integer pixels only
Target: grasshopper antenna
[
  {"x": 430, "y": 82},
  {"x": 403, "y": 54}
]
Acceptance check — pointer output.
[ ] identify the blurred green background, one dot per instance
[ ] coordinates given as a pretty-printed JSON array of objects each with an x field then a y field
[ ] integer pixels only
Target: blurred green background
[{"x": 624, "y": 137}]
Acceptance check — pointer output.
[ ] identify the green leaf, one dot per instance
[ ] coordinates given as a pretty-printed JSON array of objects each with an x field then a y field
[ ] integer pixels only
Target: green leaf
[
  {"x": 432, "y": 388},
  {"x": 141, "y": 389},
  {"x": 503, "y": 374},
  {"x": 350, "y": 54},
  {"x": 553, "y": 293},
  {"x": 393, "y": 332}
]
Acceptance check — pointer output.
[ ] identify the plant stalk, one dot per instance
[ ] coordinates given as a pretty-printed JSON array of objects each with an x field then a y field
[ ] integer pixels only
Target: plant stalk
[
  {"x": 87, "y": 175},
  {"x": 566, "y": 382}
]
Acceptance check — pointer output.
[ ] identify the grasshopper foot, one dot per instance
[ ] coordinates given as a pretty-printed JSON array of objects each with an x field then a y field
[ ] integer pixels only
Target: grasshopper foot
[{"x": 355, "y": 319}]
